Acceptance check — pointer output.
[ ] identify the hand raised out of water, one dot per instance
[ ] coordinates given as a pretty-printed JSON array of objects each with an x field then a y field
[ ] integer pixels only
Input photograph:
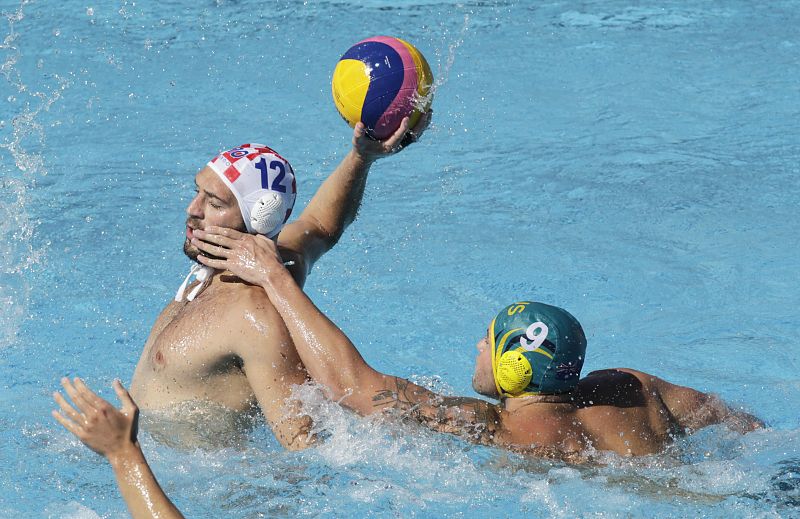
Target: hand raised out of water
[
  {"x": 98, "y": 424},
  {"x": 250, "y": 257},
  {"x": 370, "y": 149}
]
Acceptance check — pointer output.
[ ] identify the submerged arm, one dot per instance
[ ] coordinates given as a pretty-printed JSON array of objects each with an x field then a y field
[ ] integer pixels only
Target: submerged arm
[
  {"x": 329, "y": 355},
  {"x": 112, "y": 432}
]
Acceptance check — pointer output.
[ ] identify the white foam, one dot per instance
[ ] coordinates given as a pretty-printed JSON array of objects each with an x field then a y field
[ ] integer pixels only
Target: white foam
[{"x": 71, "y": 510}]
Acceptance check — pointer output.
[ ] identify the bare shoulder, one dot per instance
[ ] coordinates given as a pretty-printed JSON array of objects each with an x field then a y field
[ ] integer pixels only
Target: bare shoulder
[
  {"x": 647, "y": 383},
  {"x": 619, "y": 387},
  {"x": 692, "y": 409},
  {"x": 656, "y": 384},
  {"x": 246, "y": 317},
  {"x": 626, "y": 377}
]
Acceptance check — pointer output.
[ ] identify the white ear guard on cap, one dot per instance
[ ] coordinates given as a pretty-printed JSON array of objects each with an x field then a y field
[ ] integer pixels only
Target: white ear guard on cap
[
  {"x": 263, "y": 183},
  {"x": 267, "y": 214}
]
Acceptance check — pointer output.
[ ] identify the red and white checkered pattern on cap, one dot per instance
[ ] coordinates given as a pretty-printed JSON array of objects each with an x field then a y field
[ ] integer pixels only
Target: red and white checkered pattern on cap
[{"x": 257, "y": 175}]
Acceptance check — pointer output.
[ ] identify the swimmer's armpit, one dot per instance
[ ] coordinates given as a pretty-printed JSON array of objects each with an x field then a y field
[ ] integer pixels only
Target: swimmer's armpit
[{"x": 470, "y": 418}]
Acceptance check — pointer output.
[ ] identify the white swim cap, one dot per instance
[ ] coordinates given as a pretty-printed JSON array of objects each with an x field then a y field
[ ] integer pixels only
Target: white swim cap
[{"x": 263, "y": 183}]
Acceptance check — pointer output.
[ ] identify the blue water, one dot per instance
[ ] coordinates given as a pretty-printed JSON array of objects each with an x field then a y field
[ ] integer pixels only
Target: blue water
[{"x": 635, "y": 163}]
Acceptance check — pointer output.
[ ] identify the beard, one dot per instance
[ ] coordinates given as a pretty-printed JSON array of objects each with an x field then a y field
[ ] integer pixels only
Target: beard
[{"x": 190, "y": 250}]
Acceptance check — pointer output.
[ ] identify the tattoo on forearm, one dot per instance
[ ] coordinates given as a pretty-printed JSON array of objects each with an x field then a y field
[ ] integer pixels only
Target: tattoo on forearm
[{"x": 470, "y": 418}]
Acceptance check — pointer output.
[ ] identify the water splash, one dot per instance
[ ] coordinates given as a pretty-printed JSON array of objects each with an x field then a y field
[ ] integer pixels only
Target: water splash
[
  {"x": 445, "y": 63},
  {"x": 23, "y": 136}
]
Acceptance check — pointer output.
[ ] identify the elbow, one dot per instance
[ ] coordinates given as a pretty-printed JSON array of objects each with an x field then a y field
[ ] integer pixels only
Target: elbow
[
  {"x": 300, "y": 442},
  {"x": 744, "y": 423},
  {"x": 329, "y": 236},
  {"x": 345, "y": 387}
]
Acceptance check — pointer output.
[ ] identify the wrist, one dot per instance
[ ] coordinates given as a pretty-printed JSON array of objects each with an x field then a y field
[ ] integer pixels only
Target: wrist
[
  {"x": 275, "y": 278},
  {"x": 362, "y": 161},
  {"x": 129, "y": 453}
]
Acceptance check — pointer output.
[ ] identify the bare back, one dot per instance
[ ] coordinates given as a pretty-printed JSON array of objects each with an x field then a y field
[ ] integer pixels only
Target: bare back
[{"x": 619, "y": 410}]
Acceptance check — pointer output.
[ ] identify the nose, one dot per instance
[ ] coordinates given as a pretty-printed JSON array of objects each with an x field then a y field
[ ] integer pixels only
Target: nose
[{"x": 195, "y": 207}]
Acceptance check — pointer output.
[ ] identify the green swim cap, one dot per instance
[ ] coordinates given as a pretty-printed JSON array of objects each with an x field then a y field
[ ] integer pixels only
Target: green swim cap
[{"x": 536, "y": 349}]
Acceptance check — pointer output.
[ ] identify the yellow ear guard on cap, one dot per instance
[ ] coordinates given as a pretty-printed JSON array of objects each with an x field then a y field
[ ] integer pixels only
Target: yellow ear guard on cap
[{"x": 514, "y": 372}]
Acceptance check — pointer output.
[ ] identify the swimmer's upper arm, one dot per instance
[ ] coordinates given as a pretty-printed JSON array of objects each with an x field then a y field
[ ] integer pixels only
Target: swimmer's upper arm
[
  {"x": 273, "y": 368},
  {"x": 332, "y": 208},
  {"x": 692, "y": 409},
  {"x": 308, "y": 239}
]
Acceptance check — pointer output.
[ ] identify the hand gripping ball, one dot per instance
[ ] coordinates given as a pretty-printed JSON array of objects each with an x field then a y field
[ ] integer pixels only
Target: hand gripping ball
[{"x": 379, "y": 81}]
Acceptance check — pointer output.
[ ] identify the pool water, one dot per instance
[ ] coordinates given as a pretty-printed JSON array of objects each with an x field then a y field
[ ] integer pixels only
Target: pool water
[{"x": 633, "y": 162}]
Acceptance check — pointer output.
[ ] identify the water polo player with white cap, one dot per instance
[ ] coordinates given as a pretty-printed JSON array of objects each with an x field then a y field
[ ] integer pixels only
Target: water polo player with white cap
[{"x": 265, "y": 187}]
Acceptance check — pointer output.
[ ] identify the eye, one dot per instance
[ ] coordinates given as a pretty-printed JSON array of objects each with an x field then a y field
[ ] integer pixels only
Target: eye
[{"x": 215, "y": 206}]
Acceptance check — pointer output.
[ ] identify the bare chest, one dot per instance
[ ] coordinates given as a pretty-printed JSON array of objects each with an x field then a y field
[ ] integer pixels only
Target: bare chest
[
  {"x": 190, "y": 355},
  {"x": 191, "y": 339}
]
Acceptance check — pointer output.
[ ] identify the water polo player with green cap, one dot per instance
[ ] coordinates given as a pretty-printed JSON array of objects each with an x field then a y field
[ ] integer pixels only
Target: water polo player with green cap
[
  {"x": 530, "y": 360},
  {"x": 536, "y": 349}
]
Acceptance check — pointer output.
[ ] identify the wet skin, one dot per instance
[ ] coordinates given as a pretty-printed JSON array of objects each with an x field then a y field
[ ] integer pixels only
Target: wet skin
[
  {"x": 620, "y": 410},
  {"x": 228, "y": 346}
]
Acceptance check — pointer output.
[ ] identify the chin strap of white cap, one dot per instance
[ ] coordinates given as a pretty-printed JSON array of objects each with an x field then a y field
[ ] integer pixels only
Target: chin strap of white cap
[{"x": 203, "y": 274}]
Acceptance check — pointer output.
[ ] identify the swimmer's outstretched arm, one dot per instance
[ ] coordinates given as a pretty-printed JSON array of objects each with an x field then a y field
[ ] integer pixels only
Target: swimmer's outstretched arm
[
  {"x": 329, "y": 356},
  {"x": 693, "y": 410},
  {"x": 336, "y": 202},
  {"x": 112, "y": 432}
]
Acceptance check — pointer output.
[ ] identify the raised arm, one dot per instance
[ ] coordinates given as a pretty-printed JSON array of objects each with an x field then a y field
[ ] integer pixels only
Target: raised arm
[
  {"x": 328, "y": 354},
  {"x": 112, "y": 432},
  {"x": 336, "y": 202}
]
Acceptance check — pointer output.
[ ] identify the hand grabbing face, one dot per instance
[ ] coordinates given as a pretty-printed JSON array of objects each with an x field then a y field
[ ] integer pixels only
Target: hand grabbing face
[{"x": 250, "y": 257}]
